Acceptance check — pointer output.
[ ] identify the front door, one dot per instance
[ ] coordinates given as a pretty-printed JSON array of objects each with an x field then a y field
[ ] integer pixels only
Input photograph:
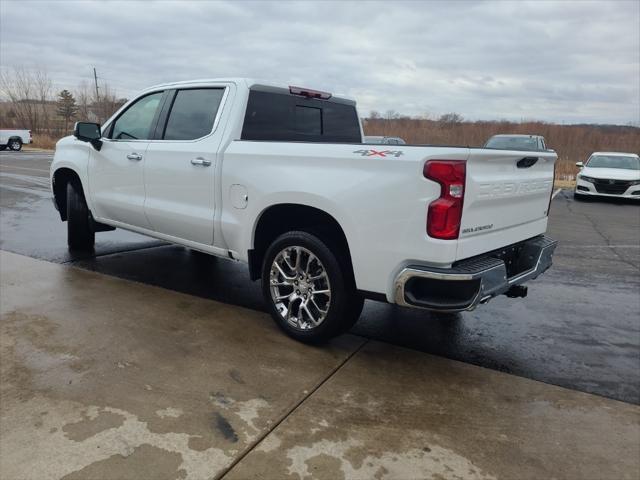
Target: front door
[
  {"x": 116, "y": 172},
  {"x": 180, "y": 165}
]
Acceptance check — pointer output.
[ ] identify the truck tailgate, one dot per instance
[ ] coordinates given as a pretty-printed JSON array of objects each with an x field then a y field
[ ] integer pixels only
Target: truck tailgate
[{"x": 506, "y": 198}]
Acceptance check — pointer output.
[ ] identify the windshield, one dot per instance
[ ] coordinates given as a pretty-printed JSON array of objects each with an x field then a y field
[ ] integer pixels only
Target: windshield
[
  {"x": 614, "y": 161},
  {"x": 513, "y": 143}
]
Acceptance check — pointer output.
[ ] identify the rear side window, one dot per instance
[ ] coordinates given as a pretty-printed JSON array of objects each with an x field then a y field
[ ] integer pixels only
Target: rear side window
[
  {"x": 193, "y": 113},
  {"x": 284, "y": 117}
]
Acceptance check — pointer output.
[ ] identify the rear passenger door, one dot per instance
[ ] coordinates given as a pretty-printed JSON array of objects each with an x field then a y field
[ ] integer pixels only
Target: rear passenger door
[{"x": 181, "y": 163}]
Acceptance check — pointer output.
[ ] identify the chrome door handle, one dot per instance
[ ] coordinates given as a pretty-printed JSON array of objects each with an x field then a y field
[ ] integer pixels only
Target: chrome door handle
[
  {"x": 200, "y": 161},
  {"x": 134, "y": 156}
]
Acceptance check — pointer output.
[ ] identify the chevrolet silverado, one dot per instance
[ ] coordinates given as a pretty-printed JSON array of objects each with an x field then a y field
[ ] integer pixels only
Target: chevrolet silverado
[{"x": 279, "y": 178}]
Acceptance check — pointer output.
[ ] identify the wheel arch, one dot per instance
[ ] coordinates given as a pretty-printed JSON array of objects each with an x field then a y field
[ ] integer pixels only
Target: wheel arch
[
  {"x": 61, "y": 177},
  {"x": 284, "y": 217}
]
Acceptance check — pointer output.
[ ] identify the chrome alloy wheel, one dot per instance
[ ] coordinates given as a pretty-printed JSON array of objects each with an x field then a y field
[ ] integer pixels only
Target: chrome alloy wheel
[{"x": 300, "y": 287}]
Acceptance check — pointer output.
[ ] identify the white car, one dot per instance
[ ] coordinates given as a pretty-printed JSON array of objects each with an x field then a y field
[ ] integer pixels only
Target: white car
[
  {"x": 517, "y": 142},
  {"x": 380, "y": 140},
  {"x": 609, "y": 174},
  {"x": 14, "y": 139},
  {"x": 277, "y": 177}
]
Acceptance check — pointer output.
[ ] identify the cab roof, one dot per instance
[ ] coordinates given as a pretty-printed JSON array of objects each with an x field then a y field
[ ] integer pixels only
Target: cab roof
[{"x": 248, "y": 82}]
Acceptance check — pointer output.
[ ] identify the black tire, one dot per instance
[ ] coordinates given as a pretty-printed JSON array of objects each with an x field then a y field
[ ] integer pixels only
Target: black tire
[
  {"x": 352, "y": 317},
  {"x": 3, "y": 147},
  {"x": 15, "y": 144},
  {"x": 80, "y": 234},
  {"x": 579, "y": 197},
  {"x": 345, "y": 304}
]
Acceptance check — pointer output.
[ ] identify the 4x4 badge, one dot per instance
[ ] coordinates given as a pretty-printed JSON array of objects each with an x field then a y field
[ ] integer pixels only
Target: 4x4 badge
[{"x": 379, "y": 153}]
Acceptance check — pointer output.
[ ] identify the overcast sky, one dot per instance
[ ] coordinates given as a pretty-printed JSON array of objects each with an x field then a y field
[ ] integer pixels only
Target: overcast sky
[{"x": 564, "y": 61}]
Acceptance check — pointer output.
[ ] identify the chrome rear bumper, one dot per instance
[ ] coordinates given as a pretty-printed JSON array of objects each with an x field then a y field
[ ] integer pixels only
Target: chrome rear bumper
[{"x": 474, "y": 281}]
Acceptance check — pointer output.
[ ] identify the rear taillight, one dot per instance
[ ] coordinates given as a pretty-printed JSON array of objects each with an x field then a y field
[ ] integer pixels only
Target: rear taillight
[{"x": 445, "y": 213}]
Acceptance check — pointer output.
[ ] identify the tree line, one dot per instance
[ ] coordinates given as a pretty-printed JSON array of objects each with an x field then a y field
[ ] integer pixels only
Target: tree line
[{"x": 30, "y": 102}]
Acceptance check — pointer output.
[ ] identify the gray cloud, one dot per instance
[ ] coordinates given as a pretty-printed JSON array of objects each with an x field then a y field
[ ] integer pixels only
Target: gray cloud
[{"x": 572, "y": 61}]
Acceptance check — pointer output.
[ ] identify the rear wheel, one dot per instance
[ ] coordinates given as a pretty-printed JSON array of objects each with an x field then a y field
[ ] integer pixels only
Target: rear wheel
[
  {"x": 15, "y": 144},
  {"x": 3, "y": 147},
  {"x": 80, "y": 234},
  {"x": 308, "y": 288}
]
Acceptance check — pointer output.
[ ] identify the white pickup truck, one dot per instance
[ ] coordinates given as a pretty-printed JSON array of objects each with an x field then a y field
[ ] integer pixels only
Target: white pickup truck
[
  {"x": 278, "y": 177},
  {"x": 14, "y": 139}
]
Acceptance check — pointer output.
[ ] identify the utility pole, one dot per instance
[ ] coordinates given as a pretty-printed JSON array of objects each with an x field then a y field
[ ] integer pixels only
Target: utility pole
[{"x": 95, "y": 77}]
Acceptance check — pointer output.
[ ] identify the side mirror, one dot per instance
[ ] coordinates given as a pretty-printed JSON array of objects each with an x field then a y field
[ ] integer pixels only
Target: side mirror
[
  {"x": 88, "y": 132},
  {"x": 579, "y": 164}
]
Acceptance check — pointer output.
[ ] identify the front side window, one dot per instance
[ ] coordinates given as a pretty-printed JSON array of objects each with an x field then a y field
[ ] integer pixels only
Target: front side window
[
  {"x": 136, "y": 122},
  {"x": 193, "y": 113}
]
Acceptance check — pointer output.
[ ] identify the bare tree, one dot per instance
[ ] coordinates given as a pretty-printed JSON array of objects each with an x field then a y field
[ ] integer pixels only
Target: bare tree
[
  {"x": 44, "y": 89},
  {"x": 450, "y": 119},
  {"x": 391, "y": 115},
  {"x": 96, "y": 109},
  {"x": 107, "y": 104},
  {"x": 83, "y": 101},
  {"x": 29, "y": 93}
]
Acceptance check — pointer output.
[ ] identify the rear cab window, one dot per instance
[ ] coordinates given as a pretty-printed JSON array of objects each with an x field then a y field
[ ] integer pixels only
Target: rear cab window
[{"x": 274, "y": 114}]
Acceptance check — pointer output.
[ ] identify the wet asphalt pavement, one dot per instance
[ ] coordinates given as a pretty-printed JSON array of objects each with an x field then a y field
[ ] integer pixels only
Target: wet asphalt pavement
[{"x": 578, "y": 328}]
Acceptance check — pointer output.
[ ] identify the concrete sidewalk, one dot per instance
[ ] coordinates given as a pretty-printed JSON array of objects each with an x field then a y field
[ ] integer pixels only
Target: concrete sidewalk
[{"x": 103, "y": 378}]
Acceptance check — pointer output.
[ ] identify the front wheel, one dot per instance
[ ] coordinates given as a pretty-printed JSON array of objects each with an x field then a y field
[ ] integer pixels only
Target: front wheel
[
  {"x": 309, "y": 289},
  {"x": 80, "y": 234},
  {"x": 15, "y": 144}
]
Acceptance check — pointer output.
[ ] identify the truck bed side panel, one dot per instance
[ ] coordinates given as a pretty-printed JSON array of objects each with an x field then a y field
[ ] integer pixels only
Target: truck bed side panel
[{"x": 380, "y": 202}]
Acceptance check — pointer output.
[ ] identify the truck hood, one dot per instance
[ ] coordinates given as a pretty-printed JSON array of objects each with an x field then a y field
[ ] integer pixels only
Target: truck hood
[
  {"x": 65, "y": 140},
  {"x": 611, "y": 173}
]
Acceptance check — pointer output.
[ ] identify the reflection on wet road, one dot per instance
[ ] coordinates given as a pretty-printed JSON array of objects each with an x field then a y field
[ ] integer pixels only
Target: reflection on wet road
[{"x": 579, "y": 327}]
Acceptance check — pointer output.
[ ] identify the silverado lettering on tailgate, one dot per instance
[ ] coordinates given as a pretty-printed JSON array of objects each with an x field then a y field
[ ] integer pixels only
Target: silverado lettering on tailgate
[
  {"x": 477, "y": 229},
  {"x": 513, "y": 189}
]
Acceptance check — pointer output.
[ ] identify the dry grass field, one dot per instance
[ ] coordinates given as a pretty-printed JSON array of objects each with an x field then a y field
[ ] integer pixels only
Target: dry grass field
[
  {"x": 573, "y": 143},
  {"x": 43, "y": 141}
]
